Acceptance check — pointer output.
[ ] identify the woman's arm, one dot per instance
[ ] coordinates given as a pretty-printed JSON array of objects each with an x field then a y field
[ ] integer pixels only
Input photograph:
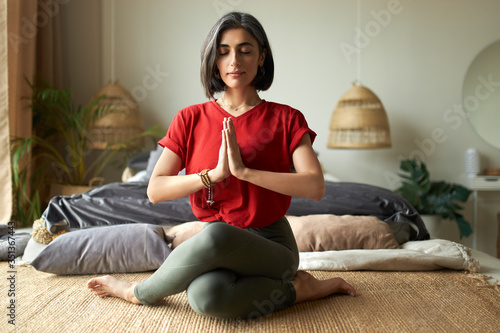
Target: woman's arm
[
  {"x": 307, "y": 182},
  {"x": 166, "y": 184}
]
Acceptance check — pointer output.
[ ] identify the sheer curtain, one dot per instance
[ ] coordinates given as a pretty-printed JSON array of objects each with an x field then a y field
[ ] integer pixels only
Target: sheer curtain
[
  {"x": 30, "y": 45},
  {"x": 5, "y": 176}
]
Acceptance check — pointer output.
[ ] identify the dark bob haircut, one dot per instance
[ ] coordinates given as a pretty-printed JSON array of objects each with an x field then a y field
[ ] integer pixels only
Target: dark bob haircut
[{"x": 212, "y": 83}]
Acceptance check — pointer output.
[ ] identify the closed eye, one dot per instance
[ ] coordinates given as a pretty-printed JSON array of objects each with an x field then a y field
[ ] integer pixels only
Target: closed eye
[
  {"x": 244, "y": 48},
  {"x": 223, "y": 51}
]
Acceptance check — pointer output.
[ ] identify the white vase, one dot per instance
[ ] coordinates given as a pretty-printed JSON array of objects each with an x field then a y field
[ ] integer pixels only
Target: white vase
[
  {"x": 433, "y": 224},
  {"x": 472, "y": 162}
]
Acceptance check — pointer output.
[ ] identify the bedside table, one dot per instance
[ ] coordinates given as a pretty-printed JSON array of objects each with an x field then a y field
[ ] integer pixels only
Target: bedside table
[{"x": 478, "y": 184}]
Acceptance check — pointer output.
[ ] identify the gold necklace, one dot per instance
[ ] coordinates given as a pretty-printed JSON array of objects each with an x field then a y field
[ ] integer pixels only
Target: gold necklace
[{"x": 232, "y": 107}]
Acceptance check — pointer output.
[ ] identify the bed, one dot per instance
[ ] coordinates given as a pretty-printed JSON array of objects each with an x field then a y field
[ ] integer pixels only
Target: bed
[{"x": 365, "y": 234}]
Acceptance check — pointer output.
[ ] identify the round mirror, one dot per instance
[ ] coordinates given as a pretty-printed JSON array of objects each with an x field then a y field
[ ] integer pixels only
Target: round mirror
[{"x": 481, "y": 94}]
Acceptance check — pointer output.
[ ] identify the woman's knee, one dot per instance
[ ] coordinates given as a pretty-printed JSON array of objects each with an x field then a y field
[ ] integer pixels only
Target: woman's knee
[
  {"x": 209, "y": 293},
  {"x": 214, "y": 235}
]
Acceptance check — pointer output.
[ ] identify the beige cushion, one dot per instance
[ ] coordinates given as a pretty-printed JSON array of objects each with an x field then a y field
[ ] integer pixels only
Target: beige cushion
[
  {"x": 183, "y": 232},
  {"x": 331, "y": 232},
  {"x": 319, "y": 232}
]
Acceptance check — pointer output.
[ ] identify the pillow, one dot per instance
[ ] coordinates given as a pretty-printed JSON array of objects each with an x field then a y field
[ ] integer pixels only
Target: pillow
[
  {"x": 319, "y": 232},
  {"x": 331, "y": 232},
  {"x": 12, "y": 246},
  {"x": 122, "y": 248},
  {"x": 31, "y": 251},
  {"x": 343, "y": 198},
  {"x": 183, "y": 232}
]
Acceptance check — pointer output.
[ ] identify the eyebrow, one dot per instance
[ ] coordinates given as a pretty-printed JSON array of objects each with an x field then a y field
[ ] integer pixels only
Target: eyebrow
[{"x": 240, "y": 44}]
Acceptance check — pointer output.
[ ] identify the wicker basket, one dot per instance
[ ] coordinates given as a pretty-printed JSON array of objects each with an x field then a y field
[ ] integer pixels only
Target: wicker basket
[
  {"x": 120, "y": 125},
  {"x": 359, "y": 121}
]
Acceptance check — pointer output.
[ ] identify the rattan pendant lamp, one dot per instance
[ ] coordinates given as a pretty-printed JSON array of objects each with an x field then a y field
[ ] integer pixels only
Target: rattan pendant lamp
[
  {"x": 359, "y": 120},
  {"x": 125, "y": 121}
]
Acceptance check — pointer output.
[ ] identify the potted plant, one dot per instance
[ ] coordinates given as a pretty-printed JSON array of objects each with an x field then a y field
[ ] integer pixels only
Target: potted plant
[
  {"x": 436, "y": 198},
  {"x": 58, "y": 151}
]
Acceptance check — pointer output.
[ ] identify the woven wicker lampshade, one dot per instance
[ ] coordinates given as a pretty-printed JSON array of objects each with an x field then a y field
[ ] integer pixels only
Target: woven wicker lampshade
[
  {"x": 359, "y": 121},
  {"x": 116, "y": 126}
]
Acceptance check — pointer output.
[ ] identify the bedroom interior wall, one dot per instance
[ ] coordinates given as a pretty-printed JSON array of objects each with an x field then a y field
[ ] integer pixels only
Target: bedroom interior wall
[{"x": 414, "y": 56}]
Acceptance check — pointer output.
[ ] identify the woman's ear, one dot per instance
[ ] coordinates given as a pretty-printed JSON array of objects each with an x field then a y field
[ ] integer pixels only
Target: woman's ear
[{"x": 262, "y": 57}]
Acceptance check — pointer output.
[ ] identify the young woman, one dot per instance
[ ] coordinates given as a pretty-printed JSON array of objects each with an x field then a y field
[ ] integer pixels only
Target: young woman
[{"x": 237, "y": 152}]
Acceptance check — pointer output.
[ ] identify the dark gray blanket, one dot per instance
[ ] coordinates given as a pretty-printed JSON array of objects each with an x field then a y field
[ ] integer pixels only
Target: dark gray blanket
[{"x": 121, "y": 203}]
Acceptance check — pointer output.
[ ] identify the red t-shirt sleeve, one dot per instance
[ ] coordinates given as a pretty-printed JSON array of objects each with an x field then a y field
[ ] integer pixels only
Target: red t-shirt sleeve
[
  {"x": 298, "y": 127},
  {"x": 176, "y": 137}
]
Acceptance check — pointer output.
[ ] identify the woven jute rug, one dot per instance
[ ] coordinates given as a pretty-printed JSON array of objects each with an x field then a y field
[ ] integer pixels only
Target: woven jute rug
[{"x": 437, "y": 301}]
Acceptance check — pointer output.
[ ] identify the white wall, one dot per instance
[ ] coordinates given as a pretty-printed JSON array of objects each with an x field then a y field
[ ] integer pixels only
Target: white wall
[{"x": 415, "y": 61}]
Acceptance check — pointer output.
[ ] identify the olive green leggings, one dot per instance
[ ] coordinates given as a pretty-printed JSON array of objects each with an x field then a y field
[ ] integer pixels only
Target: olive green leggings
[{"x": 229, "y": 272}]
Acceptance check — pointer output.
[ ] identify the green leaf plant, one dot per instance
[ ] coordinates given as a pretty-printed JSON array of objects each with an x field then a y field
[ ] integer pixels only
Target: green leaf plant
[
  {"x": 58, "y": 150},
  {"x": 433, "y": 197}
]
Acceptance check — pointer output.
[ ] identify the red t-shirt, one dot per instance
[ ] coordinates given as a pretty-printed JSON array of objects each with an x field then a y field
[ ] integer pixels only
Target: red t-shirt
[{"x": 267, "y": 135}]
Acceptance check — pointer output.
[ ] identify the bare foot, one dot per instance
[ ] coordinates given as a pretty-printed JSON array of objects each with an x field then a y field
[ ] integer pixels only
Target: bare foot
[
  {"x": 105, "y": 286},
  {"x": 308, "y": 288}
]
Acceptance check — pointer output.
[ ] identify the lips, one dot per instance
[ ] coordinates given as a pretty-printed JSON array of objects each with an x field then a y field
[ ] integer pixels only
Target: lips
[{"x": 235, "y": 73}]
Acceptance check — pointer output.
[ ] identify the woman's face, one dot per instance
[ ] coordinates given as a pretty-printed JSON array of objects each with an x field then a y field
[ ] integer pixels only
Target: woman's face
[{"x": 238, "y": 58}]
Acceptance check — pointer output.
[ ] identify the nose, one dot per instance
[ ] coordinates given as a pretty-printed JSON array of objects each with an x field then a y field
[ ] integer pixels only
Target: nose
[{"x": 235, "y": 59}]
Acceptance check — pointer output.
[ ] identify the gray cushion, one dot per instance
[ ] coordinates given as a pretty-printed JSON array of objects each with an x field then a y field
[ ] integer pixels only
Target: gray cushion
[
  {"x": 13, "y": 246},
  {"x": 112, "y": 249}
]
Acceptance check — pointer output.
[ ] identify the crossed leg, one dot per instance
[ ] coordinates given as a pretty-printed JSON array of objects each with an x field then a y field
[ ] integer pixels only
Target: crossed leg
[
  {"x": 225, "y": 247},
  {"x": 307, "y": 287}
]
